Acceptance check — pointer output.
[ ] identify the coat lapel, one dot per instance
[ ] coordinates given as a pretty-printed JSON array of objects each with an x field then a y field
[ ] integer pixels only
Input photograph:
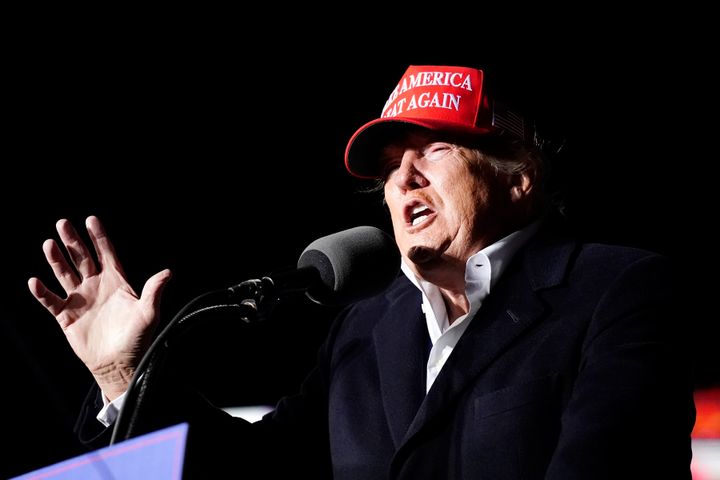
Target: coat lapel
[
  {"x": 402, "y": 342},
  {"x": 512, "y": 308}
]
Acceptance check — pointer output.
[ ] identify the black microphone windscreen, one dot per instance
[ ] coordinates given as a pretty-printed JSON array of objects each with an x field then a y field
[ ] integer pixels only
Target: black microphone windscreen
[{"x": 352, "y": 264}]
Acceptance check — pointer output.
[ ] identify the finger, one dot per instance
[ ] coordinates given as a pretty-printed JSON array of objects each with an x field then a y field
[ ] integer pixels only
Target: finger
[
  {"x": 79, "y": 253},
  {"x": 47, "y": 299},
  {"x": 103, "y": 246},
  {"x": 62, "y": 269},
  {"x": 152, "y": 291}
]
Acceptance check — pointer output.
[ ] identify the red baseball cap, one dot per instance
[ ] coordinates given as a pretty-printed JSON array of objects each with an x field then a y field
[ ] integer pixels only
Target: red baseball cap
[{"x": 442, "y": 98}]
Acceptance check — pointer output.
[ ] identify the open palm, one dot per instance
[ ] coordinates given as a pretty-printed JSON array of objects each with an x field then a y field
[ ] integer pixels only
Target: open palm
[{"x": 107, "y": 325}]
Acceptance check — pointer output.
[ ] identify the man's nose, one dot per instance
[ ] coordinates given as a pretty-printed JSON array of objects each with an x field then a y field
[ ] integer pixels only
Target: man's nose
[{"x": 408, "y": 176}]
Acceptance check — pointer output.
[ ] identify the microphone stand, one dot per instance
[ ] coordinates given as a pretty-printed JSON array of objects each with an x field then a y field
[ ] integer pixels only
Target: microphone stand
[{"x": 247, "y": 297}]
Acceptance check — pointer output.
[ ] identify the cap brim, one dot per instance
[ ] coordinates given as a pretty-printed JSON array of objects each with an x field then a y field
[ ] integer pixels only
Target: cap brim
[{"x": 363, "y": 152}]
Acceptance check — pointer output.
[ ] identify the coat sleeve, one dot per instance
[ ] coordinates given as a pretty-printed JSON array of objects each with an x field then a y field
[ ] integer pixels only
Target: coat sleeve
[{"x": 631, "y": 410}]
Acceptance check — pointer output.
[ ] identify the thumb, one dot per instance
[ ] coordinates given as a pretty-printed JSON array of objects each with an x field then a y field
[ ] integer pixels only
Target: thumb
[{"x": 152, "y": 291}]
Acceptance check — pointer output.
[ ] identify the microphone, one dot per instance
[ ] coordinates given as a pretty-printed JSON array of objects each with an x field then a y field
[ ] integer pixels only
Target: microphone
[
  {"x": 352, "y": 264},
  {"x": 337, "y": 269}
]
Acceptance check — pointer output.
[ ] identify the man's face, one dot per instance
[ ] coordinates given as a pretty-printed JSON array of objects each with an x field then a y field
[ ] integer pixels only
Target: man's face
[{"x": 443, "y": 208}]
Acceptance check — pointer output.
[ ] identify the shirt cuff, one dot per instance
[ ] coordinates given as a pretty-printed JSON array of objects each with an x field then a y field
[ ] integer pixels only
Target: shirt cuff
[{"x": 109, "y": 412}]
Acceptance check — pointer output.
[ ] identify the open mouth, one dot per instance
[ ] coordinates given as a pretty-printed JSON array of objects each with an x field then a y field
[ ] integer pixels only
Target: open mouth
[{"x": 417, "y": 213}]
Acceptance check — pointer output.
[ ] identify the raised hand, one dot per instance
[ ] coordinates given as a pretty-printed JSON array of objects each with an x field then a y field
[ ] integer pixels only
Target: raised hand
[{"x": 107, "y": 325}]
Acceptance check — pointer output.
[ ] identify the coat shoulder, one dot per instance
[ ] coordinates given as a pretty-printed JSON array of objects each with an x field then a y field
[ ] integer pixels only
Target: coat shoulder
[{"x": 360, "y": 318}]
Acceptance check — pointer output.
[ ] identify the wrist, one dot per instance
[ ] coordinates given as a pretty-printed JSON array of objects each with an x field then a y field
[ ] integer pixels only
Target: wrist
[{"x": 113, "y": 382}]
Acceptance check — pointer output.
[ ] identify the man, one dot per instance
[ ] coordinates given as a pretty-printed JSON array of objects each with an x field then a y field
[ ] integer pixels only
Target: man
[{"x": 506, "y": 350}]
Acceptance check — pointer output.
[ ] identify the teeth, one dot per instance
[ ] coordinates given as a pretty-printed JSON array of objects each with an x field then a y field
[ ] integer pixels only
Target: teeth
[
  {"x": 418, "y": 209},
  {"x": 419, "y": 220},
  {"x": 419, "y": 214}
]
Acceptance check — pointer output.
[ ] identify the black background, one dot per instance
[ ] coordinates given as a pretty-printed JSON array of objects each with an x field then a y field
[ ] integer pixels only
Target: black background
[{"x": 219, "y": 154}]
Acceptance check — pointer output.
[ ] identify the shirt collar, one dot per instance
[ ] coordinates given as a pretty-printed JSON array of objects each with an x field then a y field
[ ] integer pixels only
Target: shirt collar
[{"x": 482, "y": 271}]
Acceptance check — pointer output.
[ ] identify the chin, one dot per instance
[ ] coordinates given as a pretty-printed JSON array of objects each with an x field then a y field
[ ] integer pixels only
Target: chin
[{"x": 420, "y": 254}]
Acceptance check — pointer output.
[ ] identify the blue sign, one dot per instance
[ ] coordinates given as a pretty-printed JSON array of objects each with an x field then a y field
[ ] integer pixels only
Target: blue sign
[{"x": 157, "y": 455}]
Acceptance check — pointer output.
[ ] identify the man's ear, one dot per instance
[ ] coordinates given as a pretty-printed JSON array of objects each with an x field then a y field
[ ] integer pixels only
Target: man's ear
[{"x": 521, "y": 186}]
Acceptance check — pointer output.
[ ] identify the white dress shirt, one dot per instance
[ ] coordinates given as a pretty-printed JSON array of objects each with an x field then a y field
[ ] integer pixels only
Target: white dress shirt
[{"x": 482, "y": 272}]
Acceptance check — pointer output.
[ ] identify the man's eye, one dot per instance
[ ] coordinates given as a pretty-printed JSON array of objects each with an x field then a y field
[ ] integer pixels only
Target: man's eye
[{"x": 436, "y": 151}]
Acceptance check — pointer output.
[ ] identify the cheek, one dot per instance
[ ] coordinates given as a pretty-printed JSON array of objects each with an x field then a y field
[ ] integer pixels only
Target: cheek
[
  {"x": 395, "y": 208},
  {"x": 466, "y": 201},
  {"x": 459, "y": 193}
]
